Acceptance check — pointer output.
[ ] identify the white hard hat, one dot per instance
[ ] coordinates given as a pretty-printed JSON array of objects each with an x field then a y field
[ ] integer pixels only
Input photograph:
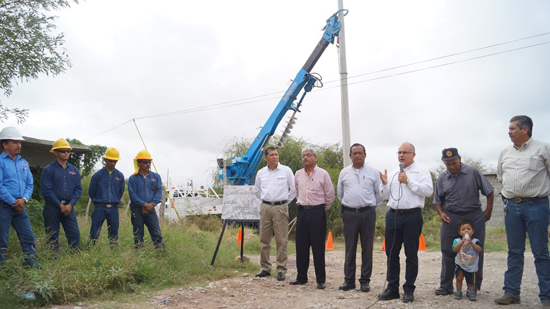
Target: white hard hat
[{"x": 11, "y": 133}]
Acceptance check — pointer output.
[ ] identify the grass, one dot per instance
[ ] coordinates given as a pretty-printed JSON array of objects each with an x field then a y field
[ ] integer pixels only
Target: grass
[{"x": 101, "y": 272}]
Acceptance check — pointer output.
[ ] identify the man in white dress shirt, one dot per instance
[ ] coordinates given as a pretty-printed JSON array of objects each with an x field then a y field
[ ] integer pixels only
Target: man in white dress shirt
[
  {"x": 406, "y": 189},
  {"x": 275, "y": 188}
]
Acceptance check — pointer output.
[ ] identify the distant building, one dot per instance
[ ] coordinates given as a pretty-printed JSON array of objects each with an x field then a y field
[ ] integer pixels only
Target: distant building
[{"x": 37, "y": 152}]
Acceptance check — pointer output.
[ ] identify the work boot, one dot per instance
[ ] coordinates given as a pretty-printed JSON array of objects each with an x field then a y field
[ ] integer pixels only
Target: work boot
[
  {"x": 443, "y": 291},
  {"x": 507, "y": 299}
]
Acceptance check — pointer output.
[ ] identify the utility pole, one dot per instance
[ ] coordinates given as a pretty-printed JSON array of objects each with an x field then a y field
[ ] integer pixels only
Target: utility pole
[{"x": 344, "y": 86}]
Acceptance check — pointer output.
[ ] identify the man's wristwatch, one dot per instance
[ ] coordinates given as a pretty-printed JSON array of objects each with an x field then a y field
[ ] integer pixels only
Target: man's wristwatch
[{"x": 26, "y": 200}]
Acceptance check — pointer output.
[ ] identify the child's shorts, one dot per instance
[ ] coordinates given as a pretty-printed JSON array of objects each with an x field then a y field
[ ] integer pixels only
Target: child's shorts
[{"x": 470, "y": 277}]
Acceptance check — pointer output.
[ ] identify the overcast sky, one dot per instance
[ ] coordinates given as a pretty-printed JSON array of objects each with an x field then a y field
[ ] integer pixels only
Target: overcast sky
[{"x": 134, "y": 59}]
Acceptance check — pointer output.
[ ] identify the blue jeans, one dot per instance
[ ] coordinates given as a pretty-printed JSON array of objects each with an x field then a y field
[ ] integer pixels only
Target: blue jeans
[
  {"x": 22, "y": 226},
  {"x": 99, "y": 216},
  {"x": 529, "y": 217},
  {"x": 53, "y": 218},
  {"x": 152, "y": 222}
]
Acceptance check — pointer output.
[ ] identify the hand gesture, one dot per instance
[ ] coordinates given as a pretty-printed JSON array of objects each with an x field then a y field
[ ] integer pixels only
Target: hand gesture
[{"x": 384, "y": 177}]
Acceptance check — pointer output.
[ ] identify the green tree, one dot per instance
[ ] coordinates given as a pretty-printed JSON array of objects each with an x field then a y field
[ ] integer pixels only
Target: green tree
[
  {"x": 27, "y": 47},
  {"x": 85, "y": 162}
]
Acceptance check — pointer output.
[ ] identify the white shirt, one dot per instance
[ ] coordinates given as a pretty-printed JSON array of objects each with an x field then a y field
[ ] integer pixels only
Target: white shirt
[
  {"x": 275, "y": 185},
  {"x": 525, "y": 171},
  {"x": 359, "y": 187},
  {"x": 411, "y": 195}
]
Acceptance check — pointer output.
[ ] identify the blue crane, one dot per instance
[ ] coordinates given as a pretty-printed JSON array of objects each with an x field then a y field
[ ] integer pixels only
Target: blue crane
[{"x": 240, "y": 171}]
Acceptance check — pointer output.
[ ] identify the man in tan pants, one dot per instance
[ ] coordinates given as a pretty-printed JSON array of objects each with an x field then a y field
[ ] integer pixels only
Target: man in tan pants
[{"x": 275, "y": 188}]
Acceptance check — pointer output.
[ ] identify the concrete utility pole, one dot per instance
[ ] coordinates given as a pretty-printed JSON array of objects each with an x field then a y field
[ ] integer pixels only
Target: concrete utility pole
[{"x": 344, "y": 87}]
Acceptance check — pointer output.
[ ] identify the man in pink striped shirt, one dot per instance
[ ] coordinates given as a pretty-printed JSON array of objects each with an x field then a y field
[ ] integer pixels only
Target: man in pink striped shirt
[{"x": 314, "y": 195}]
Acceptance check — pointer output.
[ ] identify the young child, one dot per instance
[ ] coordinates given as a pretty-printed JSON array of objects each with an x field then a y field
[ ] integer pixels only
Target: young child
[{"x": 466, "y": 259}]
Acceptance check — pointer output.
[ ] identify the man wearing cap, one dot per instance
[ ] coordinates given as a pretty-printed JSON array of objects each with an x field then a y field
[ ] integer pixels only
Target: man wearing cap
[
  {"x": 359, "y": 192},
  {"x": 524, "y": 170},
  {"x": 61, "y": 188},
  {"x": 145, "y": 189},
  {"x": 457, "y": 191},
  {"x": 314, "y": 195},
  {"x": 16, "y": 184},
  {"x": 106, "y": 189},
  {"x": 406, "y": 189},
  {"x": 275, "y": 187}
]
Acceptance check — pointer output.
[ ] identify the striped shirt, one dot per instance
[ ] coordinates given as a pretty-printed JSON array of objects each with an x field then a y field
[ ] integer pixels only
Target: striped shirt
[
  {"x": 524, "y": 171},
  {"x": 315, "y": 188},
  {"x": 359, "y": 187},
  {"x": 461, "y": 193}
]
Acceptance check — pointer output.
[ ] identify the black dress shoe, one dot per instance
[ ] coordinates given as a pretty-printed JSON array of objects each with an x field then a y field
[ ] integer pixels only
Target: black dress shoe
[
  {"x": 408, "y": 297},
  {"x": 263, "y": 273},
  {"x": 321, "y": 286},
  {"x": 347, "y": 286},
  {"x": 365, "y": 287},
  {"x": 443, "y": 291},
  {"x": 388, "y": 295},
  {"x": 297, "y": 282},
  {"x": 281, "y": 276}
]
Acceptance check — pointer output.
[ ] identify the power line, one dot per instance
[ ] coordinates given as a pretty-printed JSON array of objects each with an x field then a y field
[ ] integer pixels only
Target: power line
[{"x": 272, "y": 95}]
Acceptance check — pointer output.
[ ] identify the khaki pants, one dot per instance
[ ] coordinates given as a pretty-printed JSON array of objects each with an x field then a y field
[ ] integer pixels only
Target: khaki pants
[{"x": 274, "y": 220}]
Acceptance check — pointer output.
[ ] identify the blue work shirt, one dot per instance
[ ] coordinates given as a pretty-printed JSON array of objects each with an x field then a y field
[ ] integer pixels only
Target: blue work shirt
[
  {"x": 58, "y": 183},
  {"x": 105, "y": 187},
  {"x": 15, "y": 179},
  {"x": 144, "y": 189}
]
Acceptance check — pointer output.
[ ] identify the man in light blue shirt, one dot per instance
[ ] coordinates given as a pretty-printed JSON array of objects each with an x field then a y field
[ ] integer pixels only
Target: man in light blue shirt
[{"x": 16, "y": 184}]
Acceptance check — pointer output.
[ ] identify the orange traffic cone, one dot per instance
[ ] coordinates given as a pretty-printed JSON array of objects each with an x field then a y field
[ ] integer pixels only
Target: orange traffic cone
[
  {"x": 383, "y": 245},
  {"x": 240, "y": 237},
  {"x": 330, "y": 245},
  {"x": 422, "y": 245}
]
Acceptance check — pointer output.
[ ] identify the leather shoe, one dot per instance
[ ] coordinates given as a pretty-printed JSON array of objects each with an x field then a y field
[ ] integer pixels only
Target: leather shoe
[
  {"x": 321, "y": 286},
  {"x": 507, "y": 299},
  {"x": 388, "y": 295},
  {"x": 347, "y": 286},
  {"x": 408, "y": 297},
  {"x": 263, "y": 273},
  {"x": 443, "y": 291},
  {"x": 281, "y": 276},
  {"x": 365, "y": 287},
  {"x": 297, "y": 282}
]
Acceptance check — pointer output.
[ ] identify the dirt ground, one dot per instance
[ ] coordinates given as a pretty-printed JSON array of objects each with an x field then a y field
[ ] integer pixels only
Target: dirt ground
[{"x": 245, "y": 291}]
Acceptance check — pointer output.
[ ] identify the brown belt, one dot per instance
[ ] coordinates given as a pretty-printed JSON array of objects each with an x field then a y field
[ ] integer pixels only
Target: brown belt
[{"x": 519, "y": 200}]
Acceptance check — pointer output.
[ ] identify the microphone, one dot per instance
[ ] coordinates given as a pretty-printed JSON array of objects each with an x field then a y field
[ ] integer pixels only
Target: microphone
[{"x": 401, "y": 166}]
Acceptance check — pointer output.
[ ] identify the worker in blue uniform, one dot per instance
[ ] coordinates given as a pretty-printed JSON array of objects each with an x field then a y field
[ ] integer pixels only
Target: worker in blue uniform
[
  {"x": 61, "y": 188},
  {"x": 16, "y": 184},
  {"x": 106, "y": 189},
  {"x": 145, "y": 188}
]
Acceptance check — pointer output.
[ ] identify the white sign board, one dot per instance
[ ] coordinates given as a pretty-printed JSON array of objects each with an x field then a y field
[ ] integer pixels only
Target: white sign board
[{"x": 240, "y": 204}]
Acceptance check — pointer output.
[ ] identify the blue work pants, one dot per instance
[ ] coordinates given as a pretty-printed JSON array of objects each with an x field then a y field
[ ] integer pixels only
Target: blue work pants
[
  {"x": 530, "y": 218},
  {"x": 53, "y": 218},
  {"x": 22, "y": 226},
  {"x": 152, "y": 222},
  {"x": 99, "y": 215}
]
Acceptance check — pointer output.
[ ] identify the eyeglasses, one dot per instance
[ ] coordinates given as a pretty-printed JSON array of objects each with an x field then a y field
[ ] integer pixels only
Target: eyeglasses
[
  {"x": 145, "y": 162},
  {"x": 404, "y": 152},
  {"x": 307, "y": 155},
  {"x": 63, "y": 151}
]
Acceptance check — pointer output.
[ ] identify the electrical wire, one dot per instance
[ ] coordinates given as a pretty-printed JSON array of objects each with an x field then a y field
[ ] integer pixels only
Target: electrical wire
[{"x": 276, "y": 95}]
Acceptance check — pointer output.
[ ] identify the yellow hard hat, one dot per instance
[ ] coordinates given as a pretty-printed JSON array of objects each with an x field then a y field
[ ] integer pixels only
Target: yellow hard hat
[
  {"x": 61, "y": 144},
  {"x": 144, "y": 155},
  {"x": 112, "y": 154}
]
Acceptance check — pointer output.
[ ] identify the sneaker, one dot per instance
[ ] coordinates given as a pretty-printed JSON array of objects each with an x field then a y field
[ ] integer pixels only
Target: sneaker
[
  {"x": 443, "y": 291},
  {"x": 472, "y": 295},
  {"x": 507, "y": 299},
  {"x": 458, "y": 295},
  {"x": 408, "y": 297},
  {"x": 388, "y": 295}
]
